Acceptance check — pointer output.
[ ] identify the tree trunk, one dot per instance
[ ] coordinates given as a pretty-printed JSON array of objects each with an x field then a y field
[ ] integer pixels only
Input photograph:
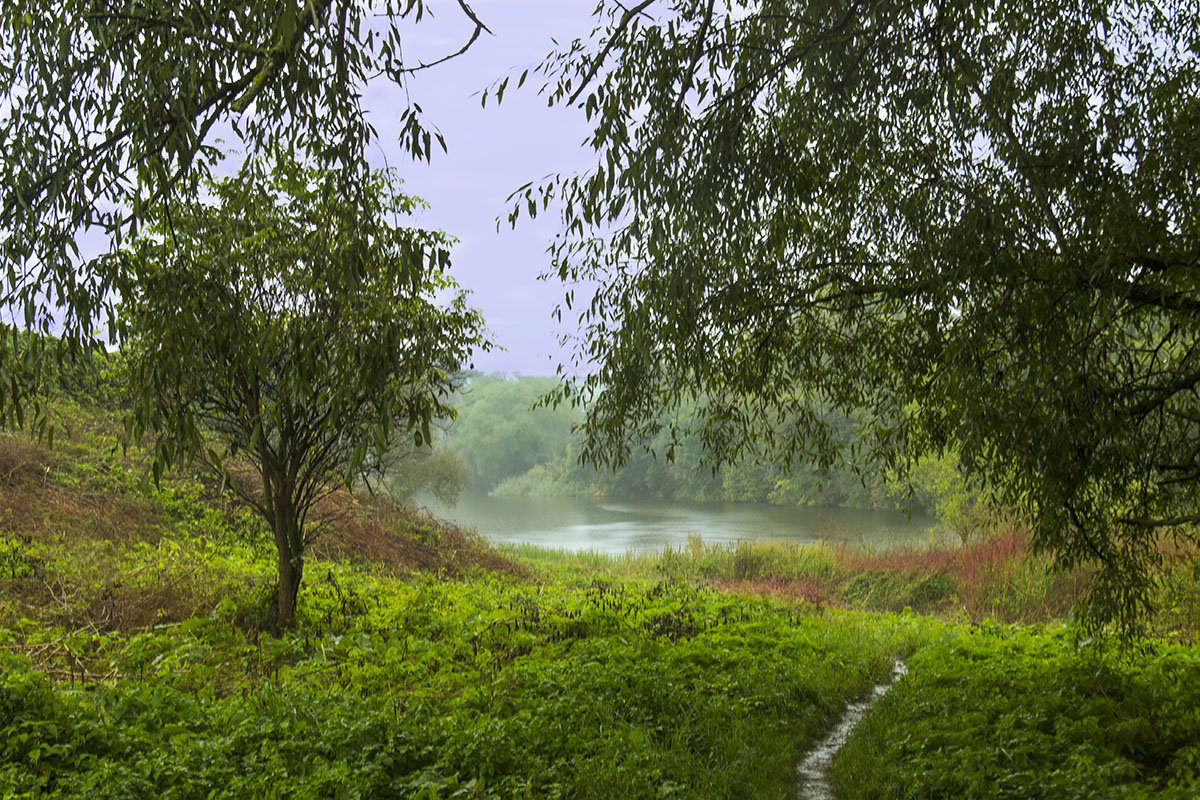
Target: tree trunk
[
  {"x": 291, "y": 572},
  {"x": 289, "y": 542}
]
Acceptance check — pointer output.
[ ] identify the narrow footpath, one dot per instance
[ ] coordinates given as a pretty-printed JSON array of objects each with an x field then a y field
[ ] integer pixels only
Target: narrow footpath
[{"x": 813, "y": 772}]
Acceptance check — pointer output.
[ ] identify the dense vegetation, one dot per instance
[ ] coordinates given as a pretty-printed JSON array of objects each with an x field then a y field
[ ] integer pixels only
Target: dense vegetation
[
  {"x": 512, "y": 447},
  {"x": 133, "y": 661},
  {"x": 277, "y": 323},
  {"x": 971, "y": 222},
  {"x": 998, "y": 577},
  {"x": 1015, "y": 713},
  {"x": 135, "y": 665},
  {"x": 970, "y": 225},
  {"x": 958, "y": 238},
  {"x": 499, "y": 435},
  {"x": 439, "y": 690}
]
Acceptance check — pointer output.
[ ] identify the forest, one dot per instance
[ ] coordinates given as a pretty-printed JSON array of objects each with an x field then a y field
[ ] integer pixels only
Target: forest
[
  {"x": 910, "y": 257},
  {"x": 509, "y": 447}
]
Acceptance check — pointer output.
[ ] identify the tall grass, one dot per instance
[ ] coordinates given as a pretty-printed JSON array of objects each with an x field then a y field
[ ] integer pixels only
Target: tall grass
[
  {"x": 996, "y": 712},
  {"x": 997, "y": 577}
]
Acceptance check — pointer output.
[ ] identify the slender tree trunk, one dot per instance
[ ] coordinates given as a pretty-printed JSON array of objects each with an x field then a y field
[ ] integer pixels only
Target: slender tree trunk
[
  {"x": 289, "y": 542},
  {"x": 291, "y": 572}
]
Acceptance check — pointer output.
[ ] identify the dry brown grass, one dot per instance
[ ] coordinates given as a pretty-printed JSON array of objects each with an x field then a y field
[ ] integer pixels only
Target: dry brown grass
[
  {"x": 92, "y": 588},
  {"x": 34, "y": 501},
  {"x": 400, "y": 539},
  {"x": 967, "y": 563},
  {"x": 373, "y": 529},
  {"x": 73, "y": 499},
  {"x": 22, "y": 511},
  {"x": 38, "y": 500},
  {"x": 56, "y": 512},
  {"x": 800, "y": 590},
  {"x": 25, "y": 470},
  {"x": 23, "y": 460},
  {"x": 136, "y": 607},
  {"x": 996, "y": 577}
]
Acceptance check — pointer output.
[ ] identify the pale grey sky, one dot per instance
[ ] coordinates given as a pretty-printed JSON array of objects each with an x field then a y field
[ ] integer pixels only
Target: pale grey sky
[{"x": 492, "y": 151}]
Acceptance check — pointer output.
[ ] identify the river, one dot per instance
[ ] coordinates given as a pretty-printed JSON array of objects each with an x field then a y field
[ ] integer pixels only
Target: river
[{"x": 619, "y": 526}]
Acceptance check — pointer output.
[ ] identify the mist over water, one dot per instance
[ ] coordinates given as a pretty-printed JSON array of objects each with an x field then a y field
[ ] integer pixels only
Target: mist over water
[{"x": 617, "y": 526}]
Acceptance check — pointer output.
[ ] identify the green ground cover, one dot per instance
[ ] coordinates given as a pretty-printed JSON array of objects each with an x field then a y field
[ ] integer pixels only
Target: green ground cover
[
  {"x": 993, "y": 578},
  {"x": 488, "y": 688},
  {"x": 1015, "y": 713},
  {"x": 424, "y": 664}
]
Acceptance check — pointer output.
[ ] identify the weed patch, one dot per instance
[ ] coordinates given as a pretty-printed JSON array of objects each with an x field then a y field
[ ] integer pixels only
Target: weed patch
[
  {"x": 488, "y": 689},
  {"x": 1006, "y": 712}
]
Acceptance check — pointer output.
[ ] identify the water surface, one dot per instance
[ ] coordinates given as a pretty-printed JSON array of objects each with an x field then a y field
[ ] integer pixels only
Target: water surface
[{"x": 618, "y": 526}]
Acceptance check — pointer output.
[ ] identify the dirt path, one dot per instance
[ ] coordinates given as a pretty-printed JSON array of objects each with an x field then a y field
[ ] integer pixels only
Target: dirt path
[{"x": 813, "y": 772}]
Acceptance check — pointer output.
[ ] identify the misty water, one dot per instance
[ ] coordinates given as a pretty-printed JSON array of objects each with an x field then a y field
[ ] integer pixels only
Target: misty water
[{"x": 619, "y": 526}]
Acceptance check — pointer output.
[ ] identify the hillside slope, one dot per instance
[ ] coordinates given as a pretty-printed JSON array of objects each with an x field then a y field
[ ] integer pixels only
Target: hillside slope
[{"x": 86, "y": 541}]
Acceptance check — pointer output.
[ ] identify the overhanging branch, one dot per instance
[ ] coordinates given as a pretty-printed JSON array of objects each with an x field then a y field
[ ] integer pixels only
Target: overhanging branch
[{"x": 279, "y": 55}]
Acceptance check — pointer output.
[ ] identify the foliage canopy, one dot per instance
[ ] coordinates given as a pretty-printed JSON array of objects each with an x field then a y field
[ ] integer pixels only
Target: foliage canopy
[
  {"x": 972, "y": 223},
  {"x": 307, "y": 334},
  {"x": 498, "y": 435},
  {"x": 105, "y": 108}
]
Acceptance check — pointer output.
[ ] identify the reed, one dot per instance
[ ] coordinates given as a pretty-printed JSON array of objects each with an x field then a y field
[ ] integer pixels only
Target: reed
[{"x": 996, "y": 577}]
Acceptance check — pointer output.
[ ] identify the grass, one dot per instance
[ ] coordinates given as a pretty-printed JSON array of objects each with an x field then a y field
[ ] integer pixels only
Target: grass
[
  {"x": 427, "y": 664},
  {"x": 993, "y": 578},
  {"x": 1008, "y": 713},
  {"x": 443, "y": 690},
  {"x": 86, "y": 542},
  {"x": 423, "y": 663}
]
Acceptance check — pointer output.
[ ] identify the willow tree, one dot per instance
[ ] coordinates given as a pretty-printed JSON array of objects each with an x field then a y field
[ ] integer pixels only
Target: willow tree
[
  {"x": 972, "y": 222},
  {"x": 105, "y": 107},
  {"x": 278, "y": 323}
]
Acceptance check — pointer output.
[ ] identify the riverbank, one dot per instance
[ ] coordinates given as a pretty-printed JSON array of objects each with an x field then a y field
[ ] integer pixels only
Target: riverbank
[
  {"x": 423, "y": 663},
  {"x": 427, "y": 664},
  {"x": 994, "y": 579}
]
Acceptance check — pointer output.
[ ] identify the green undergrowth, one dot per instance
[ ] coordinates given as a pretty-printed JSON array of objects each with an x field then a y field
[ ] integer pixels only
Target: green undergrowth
[
  {"x": 489, "y": 688},
  {"x": 989, "y": 579},
  {"x": 88, "y": 542},
  {"x": 996, "y": 577},
  {"x": 424, "y": 664},
  {"x": 1010, "y": 713}
]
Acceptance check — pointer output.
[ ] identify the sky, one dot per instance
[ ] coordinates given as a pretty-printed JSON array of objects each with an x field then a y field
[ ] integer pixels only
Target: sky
[{"x": 491, "y": 152}]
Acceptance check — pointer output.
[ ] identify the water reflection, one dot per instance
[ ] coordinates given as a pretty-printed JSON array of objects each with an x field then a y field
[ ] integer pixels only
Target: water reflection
[{"x": 618, "y": 525}]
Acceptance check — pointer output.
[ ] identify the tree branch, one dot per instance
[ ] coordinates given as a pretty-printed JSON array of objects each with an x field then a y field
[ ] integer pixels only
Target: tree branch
[
  {"x": 594, "y": 68},
  {"x": 479, "y": 29},
  {"x": 689, "y": 75},
  {"x": 278, "y": 56}
]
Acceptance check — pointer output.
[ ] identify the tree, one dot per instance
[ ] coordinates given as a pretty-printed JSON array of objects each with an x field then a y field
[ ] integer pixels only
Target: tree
[
  {"x": 974, "y": 224},
  {"x": 410, "y": 470},
  {"x": 497, "y": 434},
  {"x": 105, "y": 108},
  {"x": 306, "y": 334}
]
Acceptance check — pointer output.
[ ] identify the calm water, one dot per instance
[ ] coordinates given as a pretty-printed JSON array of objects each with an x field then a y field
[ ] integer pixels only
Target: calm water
[{"x": 620, "y": 526}]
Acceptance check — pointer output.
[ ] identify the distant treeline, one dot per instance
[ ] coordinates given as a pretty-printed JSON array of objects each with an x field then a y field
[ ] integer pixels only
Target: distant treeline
[
  {"x": 512, "y": 449},
  {"x": 500, "y": 444}
]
